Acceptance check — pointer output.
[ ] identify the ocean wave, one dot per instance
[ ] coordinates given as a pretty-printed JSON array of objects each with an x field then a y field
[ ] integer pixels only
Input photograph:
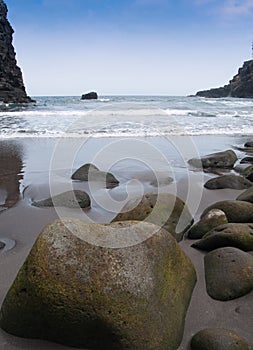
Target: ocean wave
[
  {"x": 104, "y": 100},
  {"x": 178, "y": 112},
  {"x": 123, "y": 133},
  {"x": 124, "y": 117}
]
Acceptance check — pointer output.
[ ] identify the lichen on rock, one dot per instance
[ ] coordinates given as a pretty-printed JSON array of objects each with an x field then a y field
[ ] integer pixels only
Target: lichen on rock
[
  {"x": 165, "y": 210},
  {"x": 85, "y": 295}
]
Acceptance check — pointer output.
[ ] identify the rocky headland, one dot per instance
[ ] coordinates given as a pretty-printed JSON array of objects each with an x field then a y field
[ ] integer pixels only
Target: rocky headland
[
  {"x": 12, "y": 89},
  {"x": 241, "y": 86}
]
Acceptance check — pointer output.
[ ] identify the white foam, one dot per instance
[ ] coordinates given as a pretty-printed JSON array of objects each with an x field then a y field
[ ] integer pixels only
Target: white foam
[
  {"x": 176, "y": 112},
  {"x": 65, "y": 117}
]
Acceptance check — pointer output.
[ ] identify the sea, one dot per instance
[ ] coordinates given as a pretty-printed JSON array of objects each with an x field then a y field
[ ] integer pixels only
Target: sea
[{"x": 123, "y": 116}]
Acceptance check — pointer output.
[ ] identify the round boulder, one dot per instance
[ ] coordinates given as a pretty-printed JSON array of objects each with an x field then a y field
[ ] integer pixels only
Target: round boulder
[
  {"x": 228, "y": 273},
  {"x": 229, "y": 235},
  {"x": 212, "y": 219},
  {"x": 69, "y": 199},
  {"x": 82, "y": 173},
  {"x": 247, "y": 171},
  {"x": 249, "y": 144},
  {"x": 247, "y": 160},
  {"x": 164, "y": 210},
  {"x": 246, "y": 196},
  {"x": 92, "y": 296},
  {"x": 228, "y": 181},
  {"x": 224, "y": 159},
  {"x": 90, "y": 172},
  {"x": 218, "y": 339},
  {"x": 235, "y": 210}
]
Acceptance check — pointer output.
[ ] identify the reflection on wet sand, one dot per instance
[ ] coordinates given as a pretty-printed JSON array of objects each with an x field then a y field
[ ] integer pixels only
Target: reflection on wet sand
[{"x": 11, "y": 172}]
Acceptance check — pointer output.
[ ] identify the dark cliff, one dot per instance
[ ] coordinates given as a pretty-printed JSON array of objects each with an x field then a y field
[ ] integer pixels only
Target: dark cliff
[
  {"x": 240, "y": 86},
  {"x": 12, "y": 89}
]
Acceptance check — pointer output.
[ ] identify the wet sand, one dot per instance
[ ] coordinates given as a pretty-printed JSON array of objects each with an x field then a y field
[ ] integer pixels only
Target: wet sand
[{"x": 32, "y": 169}]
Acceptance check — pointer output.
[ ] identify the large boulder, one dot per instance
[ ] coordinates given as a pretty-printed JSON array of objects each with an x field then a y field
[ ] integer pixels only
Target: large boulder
[
  {"x": 212, "y": 219},
  {"x": 228, "y": 181},
  {"x": 228, "y": 273},
  {"x": 89, "y": 172},
  {"x": 235, "y": 210},
  {"x": 90, "y": 96},
  {"x": 229, "y": 235},
  {"x": 218, "y": 339},
  {"x": 164, "y": 210},
  {"x": 12, "y": 89},
  {"x": 246, "y": 196},
  {"x": 99, "y": 297},
  {"x": 69, "y": 199},
  {"x": 224, "y": 159}
]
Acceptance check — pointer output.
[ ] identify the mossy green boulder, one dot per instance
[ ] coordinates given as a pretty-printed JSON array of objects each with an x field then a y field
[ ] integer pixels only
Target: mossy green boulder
[
  {"x": 229, "y": 235},
  {"x": 225, "y": 159},
  {"x": 70, "y": 199},
  {"x": 98, "y": 297},
  {"x": 228, "y": 273},
  {"x": 89, "y": 172},
  {"x": 246, "y": 196},
  {"x": 212, "y": 219},
  {"x": 165, "y": 210},
  {"x": 228, "y": 181},
  {"x": 218, "y": 339},
  {"x": 235, "y": 210}
]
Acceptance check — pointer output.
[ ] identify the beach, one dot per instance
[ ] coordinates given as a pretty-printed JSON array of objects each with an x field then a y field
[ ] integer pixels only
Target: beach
[{"x": 35, "y": 168}]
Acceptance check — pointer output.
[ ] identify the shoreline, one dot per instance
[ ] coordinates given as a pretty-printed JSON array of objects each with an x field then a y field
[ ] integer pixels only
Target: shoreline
[{"x": 32, "y": 168}]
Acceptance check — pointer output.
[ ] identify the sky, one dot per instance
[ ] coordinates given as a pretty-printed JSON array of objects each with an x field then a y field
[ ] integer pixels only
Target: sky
[{"x": 130, "y": 47}]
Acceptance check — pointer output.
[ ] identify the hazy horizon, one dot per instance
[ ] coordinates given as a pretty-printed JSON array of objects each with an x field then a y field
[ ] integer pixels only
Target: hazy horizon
[{"x": 135, "y": 47}]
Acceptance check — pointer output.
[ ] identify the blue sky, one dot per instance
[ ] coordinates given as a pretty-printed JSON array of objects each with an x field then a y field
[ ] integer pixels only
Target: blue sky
[{"x": 146, "y": 47}]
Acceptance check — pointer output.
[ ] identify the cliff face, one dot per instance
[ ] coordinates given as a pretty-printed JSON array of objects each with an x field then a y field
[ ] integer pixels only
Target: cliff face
[
  {"x": 11, "y": 81},
  {"x": 240, "y": 86}
]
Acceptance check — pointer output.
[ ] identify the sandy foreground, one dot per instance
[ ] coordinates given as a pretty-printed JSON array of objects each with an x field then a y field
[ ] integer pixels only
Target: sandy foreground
[{"x": 32, "y": 169}]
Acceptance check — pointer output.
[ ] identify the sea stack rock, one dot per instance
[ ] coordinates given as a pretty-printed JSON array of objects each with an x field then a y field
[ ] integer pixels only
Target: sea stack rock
[
  {"x": 240, "y": 86},
  {"x": 12, "y": 89},
  {"x": 90, "y": 96}
]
